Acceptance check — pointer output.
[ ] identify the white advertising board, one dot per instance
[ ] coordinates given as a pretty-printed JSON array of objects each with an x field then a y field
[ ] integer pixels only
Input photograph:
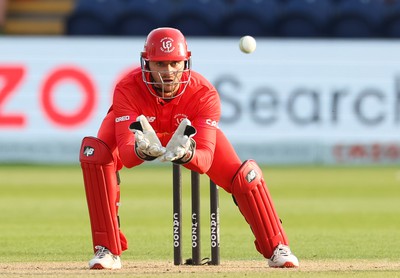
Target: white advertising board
[{"x": 291, "y": 101}]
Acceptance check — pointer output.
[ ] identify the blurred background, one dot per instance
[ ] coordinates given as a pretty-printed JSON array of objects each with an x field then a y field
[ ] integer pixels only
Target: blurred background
[
  {"x": 221, "y": 18},
  {"x": 323, "y": 86}
]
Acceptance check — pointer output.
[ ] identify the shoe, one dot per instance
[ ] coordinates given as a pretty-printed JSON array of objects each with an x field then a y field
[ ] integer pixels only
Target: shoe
[
  {"x": 104, "y": 259},
  {"x": 283, "y": 257}
]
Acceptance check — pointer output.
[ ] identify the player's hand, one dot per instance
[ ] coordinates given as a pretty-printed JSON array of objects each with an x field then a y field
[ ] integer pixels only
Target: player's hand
[
  {"x": 181, "y": 147},
  {"x": 147, "y": 144}
]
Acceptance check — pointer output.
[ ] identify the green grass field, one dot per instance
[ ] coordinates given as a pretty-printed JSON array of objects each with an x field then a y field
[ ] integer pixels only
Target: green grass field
[{"x": 331, "y": 214}]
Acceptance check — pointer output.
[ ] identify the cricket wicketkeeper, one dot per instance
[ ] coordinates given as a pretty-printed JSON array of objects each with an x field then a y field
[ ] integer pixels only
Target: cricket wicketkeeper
[{"x": 164, "y": 110}]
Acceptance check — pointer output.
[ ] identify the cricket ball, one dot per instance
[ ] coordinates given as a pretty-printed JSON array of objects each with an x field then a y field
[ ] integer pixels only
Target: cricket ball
[{"x": 247, "y": 44}]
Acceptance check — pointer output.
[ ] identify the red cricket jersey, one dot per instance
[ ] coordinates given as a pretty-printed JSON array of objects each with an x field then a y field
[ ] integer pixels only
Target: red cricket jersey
[{"x": 199, "y": 103}]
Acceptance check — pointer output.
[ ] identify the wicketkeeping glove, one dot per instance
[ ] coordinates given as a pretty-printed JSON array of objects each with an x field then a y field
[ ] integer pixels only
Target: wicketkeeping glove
[
  {"x": 147, "y": 144},
  {"x": 181, "y": 147}
]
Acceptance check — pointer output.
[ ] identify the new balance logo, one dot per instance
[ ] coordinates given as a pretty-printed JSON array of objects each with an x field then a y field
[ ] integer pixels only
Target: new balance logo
[
  {"x": 88, "y": 151},
  {"x": 251, "y": 176}
]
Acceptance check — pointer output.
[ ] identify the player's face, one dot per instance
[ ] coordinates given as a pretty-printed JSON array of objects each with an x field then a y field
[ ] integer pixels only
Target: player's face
[{"x": 166, "y": 75}]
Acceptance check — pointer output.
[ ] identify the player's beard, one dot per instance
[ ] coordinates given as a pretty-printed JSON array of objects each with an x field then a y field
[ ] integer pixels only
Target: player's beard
[
  {"x": 169, "y": 86},
  {"x": 167, "y": 90}
]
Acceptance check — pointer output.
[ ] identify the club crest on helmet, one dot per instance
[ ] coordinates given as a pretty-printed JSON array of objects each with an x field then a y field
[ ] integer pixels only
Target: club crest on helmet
[{"x": 167, "y": 45}]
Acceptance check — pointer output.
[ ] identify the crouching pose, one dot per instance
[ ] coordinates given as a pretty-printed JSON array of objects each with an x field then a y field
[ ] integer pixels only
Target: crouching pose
[{"x": 164, "y": 110}]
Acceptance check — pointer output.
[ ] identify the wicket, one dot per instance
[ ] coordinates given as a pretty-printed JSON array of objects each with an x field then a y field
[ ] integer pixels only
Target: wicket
[{"x": 195, "y": 229}]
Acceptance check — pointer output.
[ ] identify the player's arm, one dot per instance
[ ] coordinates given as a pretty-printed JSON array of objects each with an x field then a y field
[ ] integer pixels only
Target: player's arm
[
  {"x": 200, "y": 152},
  {"x": 125, "y": 114},
  {"x": 206, "y": 124},
  {"x": 205, "y": 139}
]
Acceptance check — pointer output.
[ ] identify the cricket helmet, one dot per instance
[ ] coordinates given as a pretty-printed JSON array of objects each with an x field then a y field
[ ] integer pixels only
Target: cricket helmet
[{"x": 165, "y": 44}]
